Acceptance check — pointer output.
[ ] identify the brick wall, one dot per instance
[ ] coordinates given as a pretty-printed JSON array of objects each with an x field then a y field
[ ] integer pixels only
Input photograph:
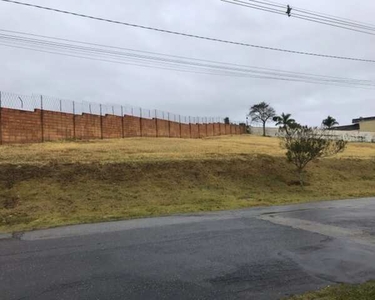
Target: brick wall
[
  {"x": 242, "y": 129},
  {"x": 185, "y": 131},
  {"x": 194, "y": 131},
  {"x": 57, "y": 126},
  {"x": 148, "y": 128},
  {"x": 112, "y": 126},
  {"x": 87, "y": 127},
  {"x": 222, "y": 128},
  {"x": 174, "y": 129},
  {"x": 132, "y": 126},
  {"x": 210, "y": 129},
  {"x": 20, "y": 126},
  {"x": 202, "y": 130},
  {"x": 227, "y": 128},
  {"x": 216, "y": 129},
  {"x": 162, "y": 128},
  {"x": 17, "y": 126}
]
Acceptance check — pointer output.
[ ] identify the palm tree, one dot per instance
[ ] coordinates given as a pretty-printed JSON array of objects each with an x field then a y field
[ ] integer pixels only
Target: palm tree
[
  {"x": 329, "y": 122},
  {"x": 284, "y": 121}
]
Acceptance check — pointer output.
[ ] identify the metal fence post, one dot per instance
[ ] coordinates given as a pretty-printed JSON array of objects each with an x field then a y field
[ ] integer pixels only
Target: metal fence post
[
  {"x": 41, "y": 117},
  {"x": 101, "y": 121},
  {"x": 60, "y": 105}
]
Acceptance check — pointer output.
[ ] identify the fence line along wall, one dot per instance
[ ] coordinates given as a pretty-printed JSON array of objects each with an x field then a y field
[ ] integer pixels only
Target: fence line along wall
[
  {"x": 31, "y": 119},
  {"x": 350, "y": 135}
]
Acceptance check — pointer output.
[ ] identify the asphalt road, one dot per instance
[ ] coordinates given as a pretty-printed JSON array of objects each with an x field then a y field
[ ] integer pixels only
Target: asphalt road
[{"x": 264, "y": 253}]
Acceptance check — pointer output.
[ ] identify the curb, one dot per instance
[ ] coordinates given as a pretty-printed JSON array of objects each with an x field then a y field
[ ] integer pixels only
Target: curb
[{"x": 5, "y": 236}]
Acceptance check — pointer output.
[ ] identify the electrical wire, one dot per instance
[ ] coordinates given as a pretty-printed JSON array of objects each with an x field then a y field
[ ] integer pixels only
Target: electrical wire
[
  {"x": 161, "y": 54},
  {"x": 75, "y": 48},
  {"x": 105, "y": 53},
  {"x": 173, "y": 61},
  {"x": 263, "y": 8},
  {"x": 307, "y": 15},
  {"x": 318, "y": 14},
  {"x": 319, "y": 18},
  {"x": 189, "y": 34}
]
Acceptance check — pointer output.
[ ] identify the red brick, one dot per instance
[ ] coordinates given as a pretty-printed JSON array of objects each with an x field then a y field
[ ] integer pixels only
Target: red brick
[
  {"x": 162, "y": 128},
  {"x": 132, "y": 126},
  {"x": 174, "y": 129},
  {"x": 202, "y": 130},
  {"x": 185, "y": 131},
  {"x": 148, "y": 128},
  {"x": 88, "y": 126},
  {"x": 112, "y": 127},
  {"x": 26, "y": 127}
]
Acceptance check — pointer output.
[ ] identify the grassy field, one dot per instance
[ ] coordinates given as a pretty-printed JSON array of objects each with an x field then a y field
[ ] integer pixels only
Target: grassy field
[
  {"x": 161, "y": 149},
  {"x": 364, "y": 291},
  {"x": 52, "y": 184}
]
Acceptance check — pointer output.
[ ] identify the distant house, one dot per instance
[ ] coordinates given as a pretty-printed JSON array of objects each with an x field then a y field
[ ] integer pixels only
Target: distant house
[
  {"x": 360, "y": 124},
  {"x": 365, "y": 124}
]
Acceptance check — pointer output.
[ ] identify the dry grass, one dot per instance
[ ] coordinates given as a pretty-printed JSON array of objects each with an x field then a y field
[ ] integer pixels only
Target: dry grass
[
  {"x": 52, "y": 184},
  {"x": 364, "y": 291},
  {"x": 149, "y": 149}
]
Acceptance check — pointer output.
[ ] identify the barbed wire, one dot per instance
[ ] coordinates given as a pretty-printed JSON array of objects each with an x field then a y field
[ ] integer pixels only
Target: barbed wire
[{"x": 49, "y": 103}]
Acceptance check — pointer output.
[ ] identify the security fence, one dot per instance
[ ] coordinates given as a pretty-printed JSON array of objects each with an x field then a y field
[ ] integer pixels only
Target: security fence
[
  {"x": 65, "y": 119},
  {"x": 42, "y": 102}
]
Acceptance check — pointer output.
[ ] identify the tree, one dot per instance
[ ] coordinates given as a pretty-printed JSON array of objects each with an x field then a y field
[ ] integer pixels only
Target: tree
[
  {"x": 261, "y": 113},
  {"x": 285, "y": 122},
  {"x": 329, "y": 122},
  {"x": 226, "y": 120},
  {"x": 305, "y": 144}
]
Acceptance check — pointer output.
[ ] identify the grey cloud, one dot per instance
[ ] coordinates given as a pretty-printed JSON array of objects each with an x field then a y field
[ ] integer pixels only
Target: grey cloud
[{"x": 194, "y": 94}]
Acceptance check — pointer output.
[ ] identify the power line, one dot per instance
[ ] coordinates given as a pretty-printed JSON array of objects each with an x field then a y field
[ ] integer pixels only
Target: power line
[
  {"x": 309, "y": 12},
  {"x": 168, "y": 62},
  {"x": 339, "y": 20},
  {"x": 326, "y": 15},
  {"x": 188, "y": 34},
  {"x": 307, "y": 15},
  {"x": 284, "y": 6},
  {"x": 346, "y": 21},
  {"x": 315, "y": 20},
  {"x": 44, "y": 37},
  {"x": 191, "y": 62},
  {"x": 319, "y": 20},
  {"x": 263, "y": 8}
]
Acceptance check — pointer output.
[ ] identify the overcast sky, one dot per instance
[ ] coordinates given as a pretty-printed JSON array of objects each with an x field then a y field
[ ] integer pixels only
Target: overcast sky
[{"x": 28, "y": 72}]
